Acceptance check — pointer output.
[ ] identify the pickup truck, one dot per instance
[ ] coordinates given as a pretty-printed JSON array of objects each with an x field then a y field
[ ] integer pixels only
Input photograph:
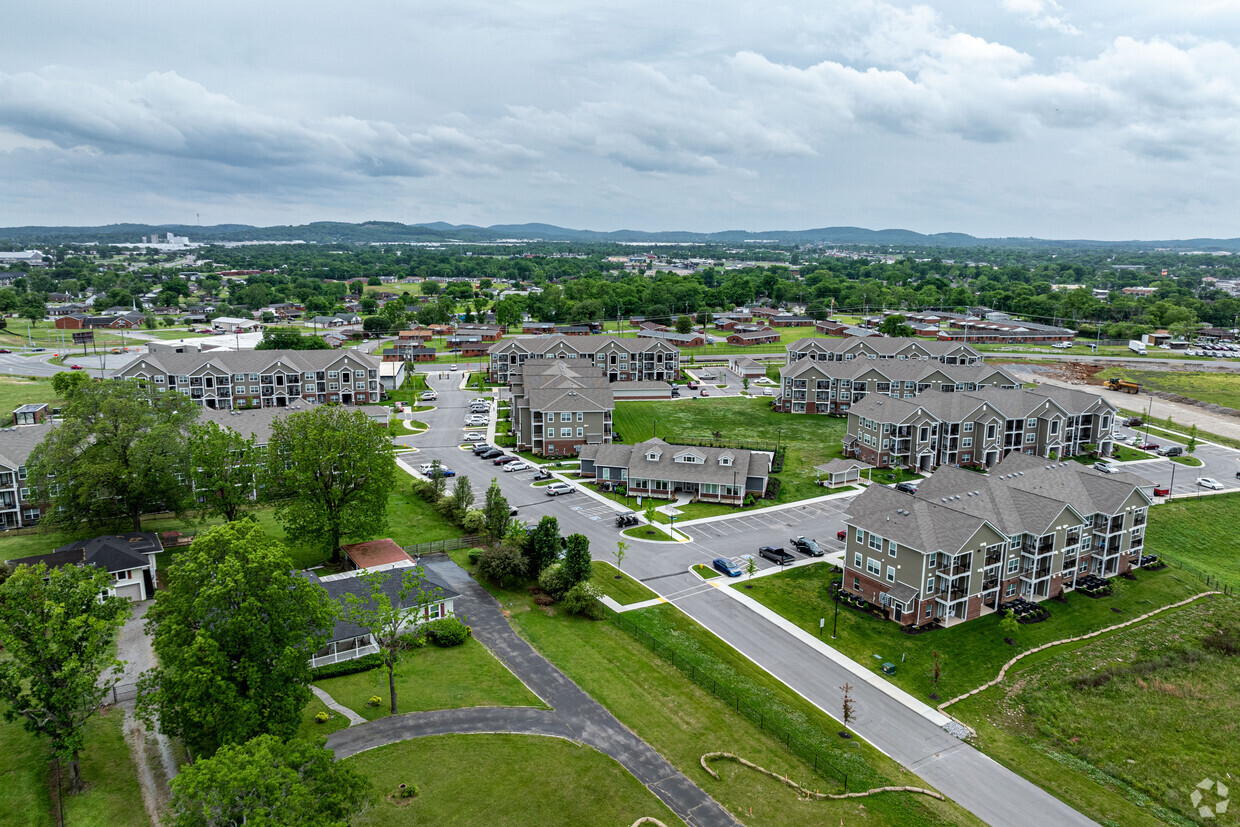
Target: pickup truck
[
  {"x": 807, "y": 546},
  {"x": 776, "y": 555}
]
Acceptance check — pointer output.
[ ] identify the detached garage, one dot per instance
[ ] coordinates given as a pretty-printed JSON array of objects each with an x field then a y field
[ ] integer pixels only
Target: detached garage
[{"x": 129, "y": 558}]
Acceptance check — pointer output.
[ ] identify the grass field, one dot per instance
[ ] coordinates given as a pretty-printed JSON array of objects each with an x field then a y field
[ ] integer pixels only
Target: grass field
[
  {"x": 1123, "y": 727},
  {"x": 1125, "y": 454},
  {"x": 617, "y": 585},
  {"x": 1199, "y": 533},
  {"x": 433, "y": 678},
  {"x": 810, "y": 440},
  {"x": 410, "y": 520},
  {"x": 499, "y": 780},
  {"x": 45, "y": 334},
  {"x": 682, "y": 721},
  {"x": 971, "y": 653},
  {"x": 16, "y": 391},
  {"x": 1219, "y": 388},
  {"x": 112, "y": 796}
]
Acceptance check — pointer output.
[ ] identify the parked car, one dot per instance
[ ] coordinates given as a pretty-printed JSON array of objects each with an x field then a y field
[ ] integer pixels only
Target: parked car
[
  {"x": 703, "y": 392},
  {"x": 1148, "y": 446},
  {"x": 491, "y": 454},
  {"x": 693, "y": 386},
  {"x": 481, "y": 449},
  {"x": 776, "y": 555},
  {"x": 726, "y": 566},
  {"x": 1171, "y": 451},
  {"x": 1131, "y": 421},
  {"x": 516, "y": 466},
  {"x": 474, "y": 436},
  {"x": 555, "y": 489},
  {"x": 842, "y": 535},
  {"x": 675, "y": 393},
  {"x": 427, "y": 469},
  {"x": 451, "y": 367},
  {"x": 1161, "y": 492},
  {"x": 504, "y": 460},
  {"x": 429, "y": 396},
  {"x": 768, "y": 391},
  {"x": 542, "y": 474},
  {"x": 1210, "y": 482},
  {"x": 906, "y": 487},
  {"x": 807, "y": 546},
  {"x": 1104, "y": 467},
  {"x": 5, "y": 350}
]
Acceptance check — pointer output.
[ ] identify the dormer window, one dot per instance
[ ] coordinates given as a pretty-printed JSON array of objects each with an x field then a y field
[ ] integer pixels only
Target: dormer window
[
  {"x": 725, "y": 460},
  {"x": 653, "y": 456}
]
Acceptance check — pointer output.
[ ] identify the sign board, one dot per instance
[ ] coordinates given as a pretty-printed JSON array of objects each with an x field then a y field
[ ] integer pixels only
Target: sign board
[
  {"x": 81, "y": 337},
  {"x": 639, "y": 499}
]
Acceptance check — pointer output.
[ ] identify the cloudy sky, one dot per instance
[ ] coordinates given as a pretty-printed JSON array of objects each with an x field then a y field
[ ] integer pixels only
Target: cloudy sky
[{"x": 1092, "y": 119}]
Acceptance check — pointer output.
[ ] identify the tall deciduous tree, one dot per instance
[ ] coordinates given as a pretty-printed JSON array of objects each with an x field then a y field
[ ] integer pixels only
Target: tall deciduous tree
[
  {"x": 577, "y": 559},
  {"x": 462, "y": 498},
  {"x": 542, "y": 545},
  {"x": 66, "y": 382},
  {"x": 389, "y": 611},
  {"x": 234, "y": 630},
  {"x": 271, "y": 782},
  {"x": 224, "y": 467},
  {"x": 331, "y": 471},
  {"x": 120, "y": 452},
  {"x": 59, "y": 636},
  {"x": 496, "y": 511}
]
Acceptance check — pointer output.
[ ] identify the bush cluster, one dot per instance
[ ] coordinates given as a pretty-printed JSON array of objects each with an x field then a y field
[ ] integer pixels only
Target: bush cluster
[
  {"x": 347, "y": 667},
  {"x": 446, "y": 631},
  {"x": 582, "y": 599}
]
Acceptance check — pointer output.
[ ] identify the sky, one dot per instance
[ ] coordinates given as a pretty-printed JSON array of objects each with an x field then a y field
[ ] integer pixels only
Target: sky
[{"x": 1093, "y": 119}]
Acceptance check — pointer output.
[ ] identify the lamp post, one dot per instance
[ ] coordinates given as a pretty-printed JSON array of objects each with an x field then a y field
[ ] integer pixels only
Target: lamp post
[
  {"x": 734, "y": 487},
  {"x": 1171, "y": 488},
  {"x": 835, "y": 623},
  {"x": 1148, "y": 410}
]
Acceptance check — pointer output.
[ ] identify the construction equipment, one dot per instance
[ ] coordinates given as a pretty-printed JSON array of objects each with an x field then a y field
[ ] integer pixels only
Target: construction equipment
[{"x": 1123, "y": 385}]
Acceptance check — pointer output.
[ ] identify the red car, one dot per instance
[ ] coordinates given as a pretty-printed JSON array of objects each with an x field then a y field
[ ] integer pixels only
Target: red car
[
  {"x": 504, "y": 460},
  {"x": 1161, "y": 492},
  {"x": 5, "y": 350},
  {"x": 703, "y": 392},
  {"x": 841, "y": 535},
  {"x": 75, "y": 367},
  {"x": 1148, "y": 446}
]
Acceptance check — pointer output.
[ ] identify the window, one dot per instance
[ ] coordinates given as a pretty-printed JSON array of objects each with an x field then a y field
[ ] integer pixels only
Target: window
[
  {"x": 857, "y": 559},
  {"x": 857, "y": 584},
  {"x": 1013, "y": 565},
  {"x": 860, "y": 535},
  {"x": 876, "y": 542},
  {"x": 928, "y": 610},
  {"x": 566, "y": 417},
  {"x": 929, "y": 585},
  {"x": 933, "y": 559},
  {"x": 990, "y": 431},
  {"x": 891, "y": 574},
  {"x": 968, "y": 427},
  {"x": 892, "y": 548},
  {"x": 566, "y": 433},
  {"x": 581, "y": 417},
  {"x": 581, "y": 432},
  {"x": 1030, "y": 437},
  {"x": 966, "y": 442},
  {"x": 1032, "y": 423},
  {"x": 1011, "y": 589},
  {"x": 1054, "y": 427},
  {"x": 872, "y": 566}
]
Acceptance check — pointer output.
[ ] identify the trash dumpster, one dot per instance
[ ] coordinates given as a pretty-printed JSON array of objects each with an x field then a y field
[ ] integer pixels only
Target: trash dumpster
[{"x": 889, "y": 668}]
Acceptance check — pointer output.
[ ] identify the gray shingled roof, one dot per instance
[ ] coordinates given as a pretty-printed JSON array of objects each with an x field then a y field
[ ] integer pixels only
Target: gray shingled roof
[
  {"x": 17, "y": 443},
  {"x": 633, "y": 457},
  {"x": 244, "y": 361},
  {"x": 257, "y": 421},
  {"x": 392, "y": 579}
]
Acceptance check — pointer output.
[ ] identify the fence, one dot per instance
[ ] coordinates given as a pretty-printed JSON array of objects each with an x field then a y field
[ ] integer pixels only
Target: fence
[
  {"x": 767, "y": 721},
  {"x": 438, "y": 546},
  {"x": 120, "y": 692},
  {"x": 1211, "y": 580}
]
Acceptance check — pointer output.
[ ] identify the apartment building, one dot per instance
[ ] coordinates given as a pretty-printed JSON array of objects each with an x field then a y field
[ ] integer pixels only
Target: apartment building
[
  {"x": 881, "y": 347},
  {"x": 262, "y": 378},
  {"x": 966, "y": 543},
  {"x": 977, "y": 429},
  {"x": 655, "y": 468},
  {"x": 832, "y": 387},
  {"x": 559, "y": 406},
  {"x": 620, "y": 360},
  {"x": 16, "y": 508}
]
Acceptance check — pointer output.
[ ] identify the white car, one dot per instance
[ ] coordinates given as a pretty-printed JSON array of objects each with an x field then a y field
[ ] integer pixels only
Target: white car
[
  {"x": 475, "y": 436},
  {"x": 477, "y": 419},
  {"x": 1105, "y": 467},
  {"x": 555, "y": 489},
  {"x": 429, "y": 396},
  {"x": 1210, "y": 482},
  {"x": 516, "y": 466},
  {"x": 768, "y": 392},
  {"x": 451, "y": 367}
]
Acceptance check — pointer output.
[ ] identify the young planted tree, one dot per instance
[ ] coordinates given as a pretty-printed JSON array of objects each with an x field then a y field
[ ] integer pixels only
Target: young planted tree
[
  {"x": 622, "y": 551},
  {"x": 935, "y": 694},
  {"x": 331, "y": 471},
  {"x": 389, "y": 611},
  {"x": 234, "y": 628},
  {"x": 1008, "y": 624},
  {"x": 268, "y": 781},
  {"x": 848, "y": 710},
  {"x": 121, "y": 451},
  {"x": 649, "y": 512},
  {"x": 577, "y": 559},
  {"x": 496, "y": 511},
  {"x": 59, "y": 636},
  {"x": 542, "y": 545},
  {"x": 224, "y": 466},
  {"x": 1191, "y": 447}
]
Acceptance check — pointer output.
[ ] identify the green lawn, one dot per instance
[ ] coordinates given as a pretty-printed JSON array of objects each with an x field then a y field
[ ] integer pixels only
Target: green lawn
[
  {"x": 1219, "y": 388},
  {"x": 1128, "y": 749},
  {"x": 1125, "y": 454},
  {"x": 682, "y": 720},
  {"x": 16, "y": 391},
  {"x": 434, "y": 678},
  {"x": 705, "y": 571},
  {"x": 1199, "y": 533},
  {"x": 1191, "y": 462},
  {"x": 500, "y": 780},
  {"x": 112, "y": 796},
  {"x": 1171, "y": 429},
  {"x": 45, "y": 334},
  {"x": 617, "y": 585},
  {"x": 970, "y": 654},
  {"x": 645, "y": 532},
  {"x": 410, "y": 520},
  {"x": 810, "y": 440}
]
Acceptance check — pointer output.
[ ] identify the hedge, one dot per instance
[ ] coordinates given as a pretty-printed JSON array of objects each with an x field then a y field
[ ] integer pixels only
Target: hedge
[{"x": 347, "y": 667}]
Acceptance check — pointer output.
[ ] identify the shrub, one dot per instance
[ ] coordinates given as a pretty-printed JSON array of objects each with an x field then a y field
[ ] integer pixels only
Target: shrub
[
  {"x": 413, "y": 640},
  {"x": 423, "y": 489},
  {"x": 749, "y": 500},
  {"x": 347, "y": 667},
  {"x": 474, "y": 521},
  {"x": 474, "y": 554},
  {"x": 555, "y": 580},
  {"x": 582, "y": 599},
  {"x": 446, "y": 631},
  {"x": 501, "y": 564},
  {"x": 407, "y": 791},
  {"x": 322, "y": 718},
  {"x": 447, "y": 507}
]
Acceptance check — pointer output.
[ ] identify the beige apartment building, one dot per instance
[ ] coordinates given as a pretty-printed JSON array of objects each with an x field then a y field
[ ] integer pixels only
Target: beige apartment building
[
  {"x": 559, "y": 406},
  {"x": 619, "y": 360},
  {"x": 880, "y": 348},
  {"x": 832, "y": 387}
]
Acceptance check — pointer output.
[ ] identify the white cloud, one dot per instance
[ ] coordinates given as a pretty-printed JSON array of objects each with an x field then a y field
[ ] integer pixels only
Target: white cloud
[{"x": 1044, "y": 14}]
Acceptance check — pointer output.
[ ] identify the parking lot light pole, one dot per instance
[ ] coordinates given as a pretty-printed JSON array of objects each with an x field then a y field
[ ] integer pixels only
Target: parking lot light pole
[
  {"x": 835, "y": 623},
  {"x": 1171, "y": 488}
]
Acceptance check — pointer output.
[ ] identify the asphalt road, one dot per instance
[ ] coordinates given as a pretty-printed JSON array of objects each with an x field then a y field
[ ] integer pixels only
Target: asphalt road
[{"x": 989, "y": 790}]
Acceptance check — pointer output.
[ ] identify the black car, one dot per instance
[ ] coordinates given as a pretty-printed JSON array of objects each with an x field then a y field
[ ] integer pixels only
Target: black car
[
  {"x": 807, "y": 546},
  {"x": 1132, "y": 421},
  {"x": 776, "y": 555},
  {"x": 492, "y": 454},
  {"x": 906, "y": 487},
  {"x": 481, "y": 448}
]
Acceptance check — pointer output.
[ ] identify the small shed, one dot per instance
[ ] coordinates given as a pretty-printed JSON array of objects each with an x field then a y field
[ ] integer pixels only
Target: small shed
[{"x": 840, "y": 472}]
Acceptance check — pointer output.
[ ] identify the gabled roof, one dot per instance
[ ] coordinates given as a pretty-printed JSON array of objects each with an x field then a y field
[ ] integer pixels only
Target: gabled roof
[
  {"x": 17, "y": 443},
  {"x": 337, "y": 586}
]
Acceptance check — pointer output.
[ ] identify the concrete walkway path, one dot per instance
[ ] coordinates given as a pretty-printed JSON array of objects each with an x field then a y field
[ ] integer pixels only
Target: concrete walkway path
[
  {"x": 574, "y": 714},
  {"x": 352, "y": 717}
]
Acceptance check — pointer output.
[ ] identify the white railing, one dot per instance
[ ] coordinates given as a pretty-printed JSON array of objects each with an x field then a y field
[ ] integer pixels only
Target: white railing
[{"x": 349, "y": 654}]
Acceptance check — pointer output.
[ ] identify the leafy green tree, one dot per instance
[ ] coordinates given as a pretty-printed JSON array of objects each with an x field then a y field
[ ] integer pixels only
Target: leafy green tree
[
  {"x": 542, "y": 545},
  {"x": 59, "y": 637},
  {"x": 621, "y": 552},
  {"x": 751, "y": 567},
  {"x": 439, "y": 483},
  {"x": 32, "y": 307},
  {"x": 121, "y": 451},
  {"x": 390, "y": 617},
  {"x": 462, "y": 497},
  {"x": 234, "y": 628},
  {"x": 267, "y": 781},
  {"x": 331, "y": 470},
  {"x": 496, "y": 511},
  {"x": 224, "y": 466},
  {"x": 1008, "y": 624},
  {"x": 1191, "y": 447},
  {"x": 896, "y": 325},
  {"x": 649, "y": 511},
  {"x": 684, "y": 324},
  {"x": 502, "y": 564},
  {"x": 65, "y": 382},
  {"x": 577, "y": 559},
  {"x": 284, "y": 338}
]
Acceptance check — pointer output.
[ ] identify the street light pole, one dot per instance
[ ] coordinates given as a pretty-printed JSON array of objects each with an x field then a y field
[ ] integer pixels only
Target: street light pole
[
  {"x": 835, "y": 623},
  {"x": 1171, "y": 488}
]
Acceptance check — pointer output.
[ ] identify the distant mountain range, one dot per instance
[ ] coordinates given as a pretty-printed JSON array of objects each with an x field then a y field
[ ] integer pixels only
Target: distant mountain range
[{"x": 327, "y": 232}]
